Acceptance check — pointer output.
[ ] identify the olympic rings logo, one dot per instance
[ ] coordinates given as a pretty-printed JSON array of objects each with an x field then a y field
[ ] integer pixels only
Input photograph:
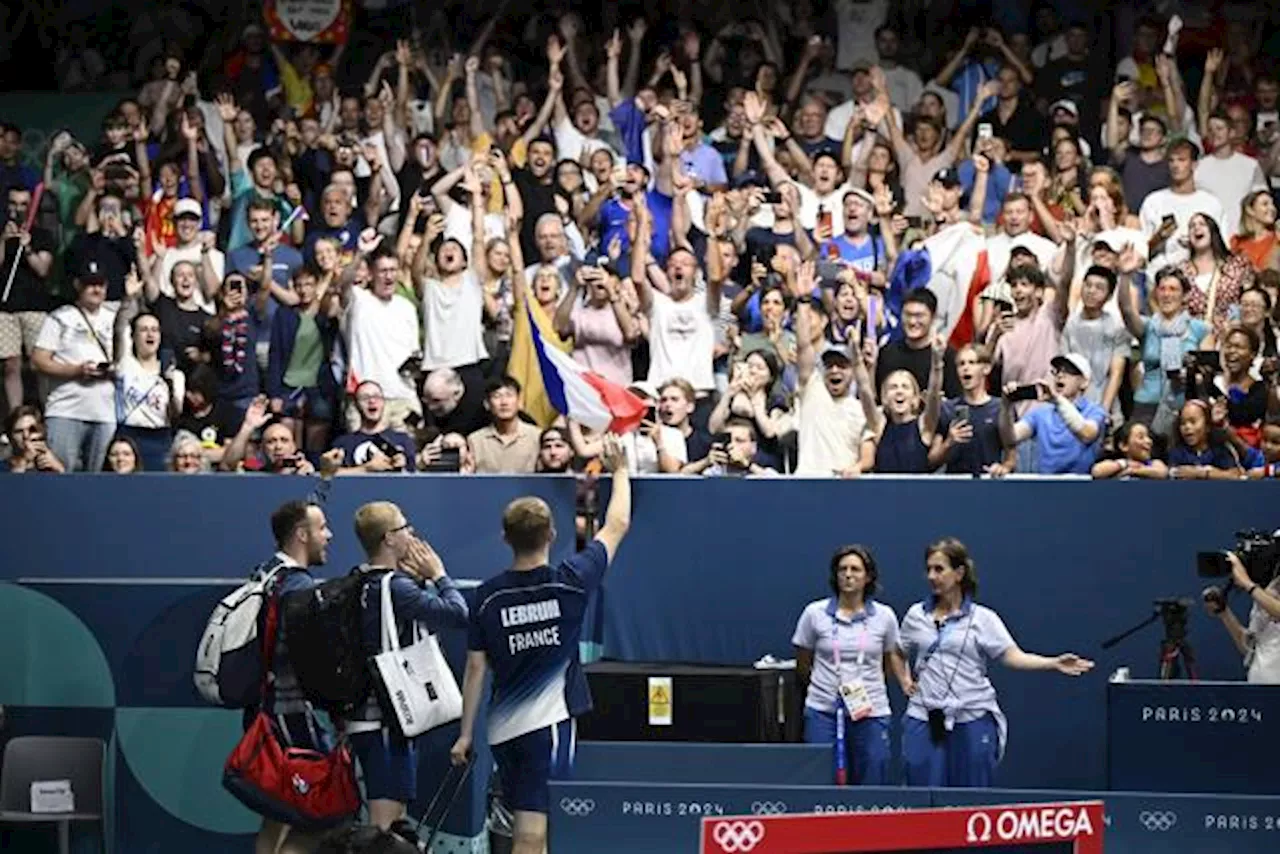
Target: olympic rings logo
[
  {"x": 768, "y": 808},
  {"x": 1157, "y": 821},
  {"x": 737, "y": 836},
  {"x": 577, "y": 806}
]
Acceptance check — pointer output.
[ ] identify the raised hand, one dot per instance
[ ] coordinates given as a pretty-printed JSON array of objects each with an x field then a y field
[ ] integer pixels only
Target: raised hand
[
  {"x": 368, "y": 241},
  {"x": 472, "y": 65},
  {"x": 555, "y": 51},
  {"x": 1213, "y": 61},
  {"x": 691, "y": 44},
  {"x": 1130, "y": 261},
  {"x": 612, "y": 454},
  {"x": 257, "y": 414},
  {"x": 227, "y": 109},
  {"x": 637, "y": 30},
  {"x": 753, "y": 107},
  {"x": 613, "y": 47}
]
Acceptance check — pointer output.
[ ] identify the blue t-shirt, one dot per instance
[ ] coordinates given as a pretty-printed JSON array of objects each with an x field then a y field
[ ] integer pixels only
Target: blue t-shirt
[
  {"x": 285, "y": 261},
  {"x": 1059, "y": 449},
  {"x": 999, "y": 180},
  {"x": 528, "y": 624},
  {"x": 357, "y": 448},
  {"x": 1215, "y": 456},
  {"x": 613, "y": 223},
  {"x": 863, "y": 256}
]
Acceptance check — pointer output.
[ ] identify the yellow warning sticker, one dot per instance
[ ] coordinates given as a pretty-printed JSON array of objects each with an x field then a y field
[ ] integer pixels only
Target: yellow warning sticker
[{"x": 659, "y": 701}]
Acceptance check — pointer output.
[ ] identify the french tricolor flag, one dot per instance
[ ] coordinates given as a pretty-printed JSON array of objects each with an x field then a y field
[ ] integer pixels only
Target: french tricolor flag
[{"x": 587, "y": 398}]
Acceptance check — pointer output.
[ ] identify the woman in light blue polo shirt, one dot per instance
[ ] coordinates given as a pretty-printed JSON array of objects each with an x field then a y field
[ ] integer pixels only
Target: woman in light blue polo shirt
[
  {"x": 842, "y": 644},
  {"x": 954, "y": 732}
]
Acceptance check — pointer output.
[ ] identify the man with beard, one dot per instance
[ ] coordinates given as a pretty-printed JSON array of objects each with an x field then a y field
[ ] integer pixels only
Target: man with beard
[
  {"x": 302, "y": 538},
  {"x": 374, "y": 447}
]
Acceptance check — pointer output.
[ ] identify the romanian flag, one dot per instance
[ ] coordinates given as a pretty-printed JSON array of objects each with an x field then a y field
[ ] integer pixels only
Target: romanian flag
[{"x": 556, "y": 384}]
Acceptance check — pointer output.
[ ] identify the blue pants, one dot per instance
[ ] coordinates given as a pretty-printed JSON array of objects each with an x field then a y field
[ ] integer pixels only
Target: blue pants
[
  {"x": 965, "y": 758},
  {"x": 866, "y": 744},
  {"x": 80, "y": 445}
]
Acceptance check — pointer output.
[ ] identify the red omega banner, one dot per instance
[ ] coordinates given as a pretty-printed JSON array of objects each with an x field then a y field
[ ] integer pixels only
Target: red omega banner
[
  {"x": 316, "y": 21},
  {"x": 908, "y": 830}
]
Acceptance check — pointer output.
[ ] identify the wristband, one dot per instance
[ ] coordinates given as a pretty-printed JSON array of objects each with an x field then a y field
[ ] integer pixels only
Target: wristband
[{"x": 1252, "y": 590}]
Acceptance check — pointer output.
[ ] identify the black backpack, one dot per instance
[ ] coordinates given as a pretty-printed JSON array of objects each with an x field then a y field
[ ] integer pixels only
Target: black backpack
[{"x": 325, "y": 642}]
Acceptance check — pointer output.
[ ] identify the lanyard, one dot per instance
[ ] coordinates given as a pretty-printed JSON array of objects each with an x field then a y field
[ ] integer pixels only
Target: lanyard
[
  {"x": 835, "y": 643},
  {"x": 937, "y": 641}
]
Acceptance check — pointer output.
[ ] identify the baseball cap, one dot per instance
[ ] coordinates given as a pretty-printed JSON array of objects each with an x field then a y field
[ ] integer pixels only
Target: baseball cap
[
  {"x": 834, "y": 356},
  {"x": 188, "y": 207},
  {"x": 1065, "y": 104},
  {"x": 947, "y": 177},
  {"x": 828, "y": 153},
  {"x": 1072, "y": 363},
  {"x": 90, "y": 271},
  {"x": 861, "y": 194},
  {"x": 645, "y": 389}
]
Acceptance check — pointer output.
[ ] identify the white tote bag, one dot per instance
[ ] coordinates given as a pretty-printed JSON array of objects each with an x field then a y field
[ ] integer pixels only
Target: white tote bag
[{"x": 415, "y": 686}]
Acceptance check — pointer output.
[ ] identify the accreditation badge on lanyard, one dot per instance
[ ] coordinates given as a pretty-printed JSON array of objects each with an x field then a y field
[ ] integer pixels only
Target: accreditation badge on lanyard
[{"x": 854, "y": 696}]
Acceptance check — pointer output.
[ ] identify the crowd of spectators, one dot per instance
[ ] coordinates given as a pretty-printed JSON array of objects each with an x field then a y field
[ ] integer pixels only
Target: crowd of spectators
[{"x": 937, "y": 237}]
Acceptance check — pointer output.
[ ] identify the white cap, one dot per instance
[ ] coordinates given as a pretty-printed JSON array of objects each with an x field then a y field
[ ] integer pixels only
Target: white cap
[
  {"x": 188, "y": 207},
  {"x": 1073, "y": 362}
]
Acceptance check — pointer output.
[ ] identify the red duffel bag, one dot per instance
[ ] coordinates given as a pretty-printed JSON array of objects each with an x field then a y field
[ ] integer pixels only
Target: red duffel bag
[{"x": 303, "y": 788}]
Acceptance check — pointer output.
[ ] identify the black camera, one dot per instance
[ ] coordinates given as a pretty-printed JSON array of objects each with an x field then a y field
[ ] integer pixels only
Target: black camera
[{"x": 1258, "y": 551}]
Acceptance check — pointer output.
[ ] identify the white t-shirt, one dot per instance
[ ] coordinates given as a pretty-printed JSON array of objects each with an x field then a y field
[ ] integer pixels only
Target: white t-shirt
[
  {"x": 642, "y": 454},
  {"x": 833, "y": 202},
  {"x": 71, "y": 341},
  {"x": 1001, "y": 246},
  {"x": 457, "y": 226},
  {"x": 452, "y": 323},
  {"x": 681, "y": 340},
  {"x": 829, "y": 431},
  {"x": 571, "y": 144},
  {"x": 381, "y": 335},
  {"x": 856, "y": 22},
  {"x": 1230, "y": 179},
  {"x": 191, "y": 254},
  {"x": 1182, "y": 206},
  {"x": 143, "y": 397}
]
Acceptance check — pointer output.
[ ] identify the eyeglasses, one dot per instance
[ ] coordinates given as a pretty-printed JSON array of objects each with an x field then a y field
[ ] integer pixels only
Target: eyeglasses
[{"x": 407, "y": 526}]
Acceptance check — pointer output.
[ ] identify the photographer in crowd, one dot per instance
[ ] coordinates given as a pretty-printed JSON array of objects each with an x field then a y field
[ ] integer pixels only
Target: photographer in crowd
[{"x": 1259, "y": 640}]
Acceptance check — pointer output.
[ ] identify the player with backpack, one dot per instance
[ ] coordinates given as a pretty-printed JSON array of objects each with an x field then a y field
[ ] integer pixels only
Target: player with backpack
[
  {"x": 421, "y": 596},
  {"x": 231, "y": 657}
]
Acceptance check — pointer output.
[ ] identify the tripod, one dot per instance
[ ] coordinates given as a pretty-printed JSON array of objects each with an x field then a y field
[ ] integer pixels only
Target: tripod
[{"x": 1177, "y": 658}]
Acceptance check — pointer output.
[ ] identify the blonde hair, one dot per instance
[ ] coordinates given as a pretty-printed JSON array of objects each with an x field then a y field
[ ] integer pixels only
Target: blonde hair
[
  {"x": 373, "y": 522},
  {"x": 527, "y": 524}
]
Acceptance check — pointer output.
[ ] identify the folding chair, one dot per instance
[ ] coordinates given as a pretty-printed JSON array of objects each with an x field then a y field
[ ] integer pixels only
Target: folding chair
[{"x": 37, "y": 758}]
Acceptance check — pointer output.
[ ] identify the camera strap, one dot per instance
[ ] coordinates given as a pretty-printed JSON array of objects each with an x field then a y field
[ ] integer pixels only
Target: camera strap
[{"x": 96, "y": 337}]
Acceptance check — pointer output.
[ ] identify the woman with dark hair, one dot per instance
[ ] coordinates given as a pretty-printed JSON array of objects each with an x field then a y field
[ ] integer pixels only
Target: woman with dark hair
[
  {"x": 954, "y": 732},
  {"x": 1166, "y": 337},
  {"x": 1255, "y": 316},
  {"x": 1245, "y": 393},
  {"x": 1132, "y": 457},
  {"x": 752, "y": 394},
  {"x": 230, "y": 336},
  {"x": 123, "y": 457},
  {"x": 150, "y": 390},
  {"x": 1201, "y": 450},
  {"x": 844, "y": 645},
  {"x": 1219, "y": 277}
]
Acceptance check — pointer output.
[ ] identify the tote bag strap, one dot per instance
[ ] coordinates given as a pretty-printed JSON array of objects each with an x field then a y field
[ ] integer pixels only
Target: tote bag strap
[{"x": 390, "y": 634}]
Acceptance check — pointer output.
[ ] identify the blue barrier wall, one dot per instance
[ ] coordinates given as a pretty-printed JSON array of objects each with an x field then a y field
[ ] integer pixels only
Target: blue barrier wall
[
  {"x": 713, "y": 571},
  {"x": 719, "y": 570},
  {"x": 119, "y": 576}
]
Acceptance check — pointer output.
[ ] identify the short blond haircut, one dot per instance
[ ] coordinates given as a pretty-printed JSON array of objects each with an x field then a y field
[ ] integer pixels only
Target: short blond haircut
[
  {"x": 373, "y": 522},
  {"x": 527, "y": 524}
]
